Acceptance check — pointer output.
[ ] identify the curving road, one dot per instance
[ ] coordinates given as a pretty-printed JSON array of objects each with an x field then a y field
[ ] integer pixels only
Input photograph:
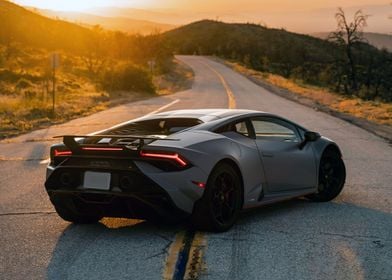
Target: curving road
[{"x": 349, "y": 238}]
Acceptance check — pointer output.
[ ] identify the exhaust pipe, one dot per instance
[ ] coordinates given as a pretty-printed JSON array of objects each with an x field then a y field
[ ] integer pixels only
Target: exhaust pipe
[
  {"x": 126, "y": 182},
  {"x": 66, "y": 179}
]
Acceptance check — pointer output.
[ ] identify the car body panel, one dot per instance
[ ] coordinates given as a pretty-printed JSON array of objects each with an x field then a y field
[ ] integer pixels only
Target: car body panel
[
  {"x": 270, "y": 172},
  {"x": 286, "y": 166}
]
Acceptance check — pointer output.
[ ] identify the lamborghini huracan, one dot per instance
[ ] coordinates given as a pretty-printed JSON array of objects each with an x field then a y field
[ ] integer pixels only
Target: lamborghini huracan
[{"x": 202, "y": 165}]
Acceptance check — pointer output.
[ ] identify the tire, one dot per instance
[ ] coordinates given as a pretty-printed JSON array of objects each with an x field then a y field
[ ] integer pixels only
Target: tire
[
  {"x": 221, "y": 203},
  {"x": 332, "y": 176},
  {"x": 67, "y": 210}
]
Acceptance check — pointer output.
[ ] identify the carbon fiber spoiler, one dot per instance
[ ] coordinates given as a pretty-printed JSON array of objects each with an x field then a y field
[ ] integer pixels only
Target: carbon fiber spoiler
[{"x": 71, "y": 143}]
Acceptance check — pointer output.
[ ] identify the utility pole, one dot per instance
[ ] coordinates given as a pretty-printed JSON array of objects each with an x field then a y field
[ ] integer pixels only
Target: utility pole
[
  {"x": 54, "y": 90},
  {"x": 55, "y": 59}
]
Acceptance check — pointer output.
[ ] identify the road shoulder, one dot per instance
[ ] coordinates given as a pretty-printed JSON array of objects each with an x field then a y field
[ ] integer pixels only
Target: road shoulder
[{"x": 383, "y": 131}]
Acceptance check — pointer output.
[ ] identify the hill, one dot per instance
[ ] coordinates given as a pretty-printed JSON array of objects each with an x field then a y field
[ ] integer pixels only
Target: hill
[
  {"x": 24, "y": 26},
  {"x": 296, "y": 56},
  {"x": 378, "y": 40},
  {"x": 96, "y": 45},
  {"x": 250, "y": 43},
  {"x": 97, "y": 68},
  {"x": 124, "y": 24}
]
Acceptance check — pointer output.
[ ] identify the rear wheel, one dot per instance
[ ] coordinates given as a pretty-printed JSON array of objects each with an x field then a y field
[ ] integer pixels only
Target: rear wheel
[
  {"x": 67, "y": 210},
  {"x": 221, "y": 203},
  {"x": 332, "y": 176}
]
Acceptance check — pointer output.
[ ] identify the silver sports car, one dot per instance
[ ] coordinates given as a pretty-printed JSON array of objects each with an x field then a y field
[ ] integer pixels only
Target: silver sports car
[{"x": 204, "y": 164}]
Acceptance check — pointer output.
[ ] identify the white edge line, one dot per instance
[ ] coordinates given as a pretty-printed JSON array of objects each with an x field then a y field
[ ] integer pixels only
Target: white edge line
[{"x": 163, "y": 107}]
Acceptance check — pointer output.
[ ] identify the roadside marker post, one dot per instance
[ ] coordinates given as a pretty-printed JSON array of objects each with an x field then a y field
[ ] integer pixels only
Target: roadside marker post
[
  {"x": 151, "y": 64},
  {"x": 55, "y": 62}
]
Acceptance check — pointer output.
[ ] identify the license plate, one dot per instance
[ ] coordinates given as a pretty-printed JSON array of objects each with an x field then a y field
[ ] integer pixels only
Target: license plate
[{"x": 96, "y": 180}]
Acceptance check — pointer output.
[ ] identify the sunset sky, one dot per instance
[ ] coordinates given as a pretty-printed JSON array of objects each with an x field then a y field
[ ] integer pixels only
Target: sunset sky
[
  {"x": 200, "y": 5},
  {"x": 304, "y": 16}
]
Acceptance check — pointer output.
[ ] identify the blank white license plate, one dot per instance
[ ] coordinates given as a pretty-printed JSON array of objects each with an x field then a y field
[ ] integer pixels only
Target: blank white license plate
[{"x": 96, "y": 180}]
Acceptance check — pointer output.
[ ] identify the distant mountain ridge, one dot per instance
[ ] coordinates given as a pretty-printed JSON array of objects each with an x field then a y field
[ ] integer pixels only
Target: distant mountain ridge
[
  {"x": 378, "y": 40},
  {"x": 302, "y": 20},
  {"x": 124, "y": 24}
]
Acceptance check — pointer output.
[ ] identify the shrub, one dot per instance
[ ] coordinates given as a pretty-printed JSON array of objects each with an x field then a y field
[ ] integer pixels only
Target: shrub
[
  {"x": 30, "y": 94},
  {"x": 9, "y": 76},
  {"x": 23, "y": 83},
  {"x": 128, "y": 78}
]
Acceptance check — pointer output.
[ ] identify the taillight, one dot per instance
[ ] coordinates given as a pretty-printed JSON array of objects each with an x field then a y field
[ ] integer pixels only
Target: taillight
[
  {"x": 107, "y": 149},
  {"x": 62, "y": 153},
  {"x": 59, "y": 154},
  {"x": 165, "y": 156}
]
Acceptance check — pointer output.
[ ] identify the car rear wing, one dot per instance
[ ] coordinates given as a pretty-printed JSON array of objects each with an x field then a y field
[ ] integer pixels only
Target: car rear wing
[{"x": 121, "y": 141}]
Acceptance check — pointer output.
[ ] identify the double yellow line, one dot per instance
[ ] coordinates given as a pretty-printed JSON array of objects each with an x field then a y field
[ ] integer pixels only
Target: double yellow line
[{"x": 185, "y": 256}]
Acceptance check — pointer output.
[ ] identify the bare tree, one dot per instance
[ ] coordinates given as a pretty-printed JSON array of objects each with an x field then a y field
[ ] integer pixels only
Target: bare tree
[
  {"x": 95, "y": 55},
  {"x": 348, "y": 35}
]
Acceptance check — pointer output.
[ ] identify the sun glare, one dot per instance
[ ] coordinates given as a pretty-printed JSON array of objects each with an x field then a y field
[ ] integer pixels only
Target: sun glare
[{"x": 58, "y": 5}]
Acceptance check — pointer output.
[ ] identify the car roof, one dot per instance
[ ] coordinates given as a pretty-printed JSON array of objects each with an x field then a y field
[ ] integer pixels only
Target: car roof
[
  {"x": 210, "y": 117},
  {"x": 206, "y": 115},
  {"x": 213, "y": 117}
]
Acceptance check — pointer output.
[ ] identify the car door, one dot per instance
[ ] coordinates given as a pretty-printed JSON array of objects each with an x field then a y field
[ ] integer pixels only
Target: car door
[
  {"x": 286, "y": 166},
  {"x": 241, "y": 132}
]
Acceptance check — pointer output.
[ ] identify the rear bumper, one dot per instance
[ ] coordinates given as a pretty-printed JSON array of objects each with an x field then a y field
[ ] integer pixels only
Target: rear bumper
[
  {"x": 111, "y": 204},
  {"x": 132, "y": 194}
]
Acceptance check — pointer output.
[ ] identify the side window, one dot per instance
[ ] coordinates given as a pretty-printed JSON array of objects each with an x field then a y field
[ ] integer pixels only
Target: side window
[
  {"x": 275, "y": 130},
  {"x": 241, "y": 128},
  {"x": 238, "y": 127}
]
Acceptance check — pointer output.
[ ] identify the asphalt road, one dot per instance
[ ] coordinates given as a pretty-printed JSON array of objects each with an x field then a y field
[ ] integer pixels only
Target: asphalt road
[{"x": 349, "y": 238}]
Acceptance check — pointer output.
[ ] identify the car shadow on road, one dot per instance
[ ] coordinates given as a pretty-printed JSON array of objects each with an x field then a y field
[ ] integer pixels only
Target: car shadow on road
[
  {"x": 38, "y": 152},
  {"x": 111, "y": 249}
]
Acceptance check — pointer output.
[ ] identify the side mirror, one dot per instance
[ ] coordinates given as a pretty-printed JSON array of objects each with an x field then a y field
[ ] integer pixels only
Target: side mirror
[{"x": 309, "y": 136}]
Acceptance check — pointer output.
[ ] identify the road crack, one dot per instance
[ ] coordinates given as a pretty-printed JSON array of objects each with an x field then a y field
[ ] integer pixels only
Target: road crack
[
  {"x": 27, "y": 213},
  {"x": 2, "y": 158}
]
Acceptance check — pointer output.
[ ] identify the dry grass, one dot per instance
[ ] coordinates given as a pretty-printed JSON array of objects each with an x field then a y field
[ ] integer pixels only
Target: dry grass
[
  {"x": 19, "y": 114},
  {"x": 181, "y": 78},
  {"x": 22, "y": 110},
  {"x": 378, "y": 112}
]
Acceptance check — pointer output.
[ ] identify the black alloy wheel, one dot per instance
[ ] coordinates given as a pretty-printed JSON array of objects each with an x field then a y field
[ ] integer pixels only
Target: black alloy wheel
[
  {"x": 332, "y": 176},
  {"x": 224, "y": 198},
  {"x": 221, "y": 203}
]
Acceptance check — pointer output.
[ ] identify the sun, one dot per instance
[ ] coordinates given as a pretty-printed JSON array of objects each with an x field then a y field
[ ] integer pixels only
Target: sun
[{"x": 63, "y": 5}]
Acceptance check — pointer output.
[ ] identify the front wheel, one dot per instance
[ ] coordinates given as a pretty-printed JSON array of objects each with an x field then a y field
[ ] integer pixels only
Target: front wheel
[
  {"x": 221, "y": 203},
  {"x": 332, "y": 176}
]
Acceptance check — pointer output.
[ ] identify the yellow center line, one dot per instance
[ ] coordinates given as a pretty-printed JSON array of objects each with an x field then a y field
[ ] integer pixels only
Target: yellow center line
[
  {"x": 172, "y": 256},
  {"x": 195, "y": 264},
  {"x": 174, "y": 261},
  {"x": 230, "y": 95}
]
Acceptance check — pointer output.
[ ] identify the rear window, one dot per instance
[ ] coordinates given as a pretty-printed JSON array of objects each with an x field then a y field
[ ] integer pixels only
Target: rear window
[{"x": 165, "y": 126}]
